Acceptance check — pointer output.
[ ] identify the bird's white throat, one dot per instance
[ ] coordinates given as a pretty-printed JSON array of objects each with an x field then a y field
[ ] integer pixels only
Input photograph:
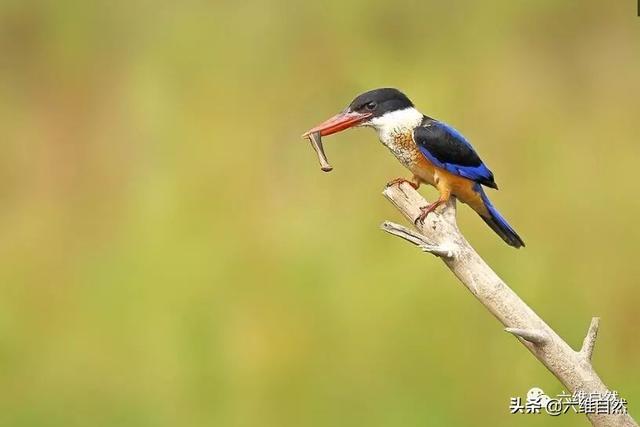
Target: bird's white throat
[{"x": 396, "y": 122}]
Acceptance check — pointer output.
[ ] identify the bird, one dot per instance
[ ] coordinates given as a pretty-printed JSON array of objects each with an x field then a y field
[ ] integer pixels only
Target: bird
[{"x": 433, "y": 151}]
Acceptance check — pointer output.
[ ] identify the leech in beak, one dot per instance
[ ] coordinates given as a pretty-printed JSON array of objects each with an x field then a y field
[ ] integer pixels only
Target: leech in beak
[{"x": 316, "y": 143}]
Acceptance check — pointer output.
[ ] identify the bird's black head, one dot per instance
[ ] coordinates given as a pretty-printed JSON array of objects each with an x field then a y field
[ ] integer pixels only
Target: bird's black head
[
  {"x": 363, "y": 109},
  {"x": 380, "y": 101}
]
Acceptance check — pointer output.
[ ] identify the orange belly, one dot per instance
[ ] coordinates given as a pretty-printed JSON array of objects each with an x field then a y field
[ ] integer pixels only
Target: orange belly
[
  {"x": 460, "y": 187},
  {"x": 425, "y": 170}
]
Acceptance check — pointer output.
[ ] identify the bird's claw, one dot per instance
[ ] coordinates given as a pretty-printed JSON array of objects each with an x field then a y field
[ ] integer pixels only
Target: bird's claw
[
  {"x": 425, "y": 211},
  {"x": 399, "y": 181},
  {"x": 420, "y": 219}
]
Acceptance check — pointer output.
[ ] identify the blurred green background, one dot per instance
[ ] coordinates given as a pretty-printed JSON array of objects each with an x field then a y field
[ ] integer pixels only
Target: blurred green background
[{"x": 171, "y": 254}]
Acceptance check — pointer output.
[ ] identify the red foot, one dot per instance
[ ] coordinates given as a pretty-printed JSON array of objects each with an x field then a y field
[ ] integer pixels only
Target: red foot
[
  {"x": 399, "y": 181},
  {"x": 426, "y": 210}
]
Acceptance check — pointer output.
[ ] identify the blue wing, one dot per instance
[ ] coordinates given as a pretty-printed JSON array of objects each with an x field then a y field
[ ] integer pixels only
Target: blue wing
[{"x": 446, "y": 148}]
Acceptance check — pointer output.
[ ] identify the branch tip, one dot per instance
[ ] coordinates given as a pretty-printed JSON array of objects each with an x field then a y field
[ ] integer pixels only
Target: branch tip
[
  {"x": 404, "y": 233},
  {"x": 417, "y": 239},
  {"x": 590, "y": 339}
]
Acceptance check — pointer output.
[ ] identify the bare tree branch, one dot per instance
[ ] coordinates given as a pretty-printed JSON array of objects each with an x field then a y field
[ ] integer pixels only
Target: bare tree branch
[{"x": 440, "y": 236}]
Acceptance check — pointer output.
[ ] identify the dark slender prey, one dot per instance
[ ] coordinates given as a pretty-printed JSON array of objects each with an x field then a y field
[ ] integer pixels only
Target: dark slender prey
[{"x": 316, "y": 143}]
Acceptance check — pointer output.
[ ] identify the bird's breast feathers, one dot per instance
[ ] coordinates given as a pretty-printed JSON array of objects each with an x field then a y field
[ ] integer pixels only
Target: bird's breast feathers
[
  {"x": 402, "y": 145},
  {"x": 395, "y": 130},
  {"x": 404, "y": 148}
]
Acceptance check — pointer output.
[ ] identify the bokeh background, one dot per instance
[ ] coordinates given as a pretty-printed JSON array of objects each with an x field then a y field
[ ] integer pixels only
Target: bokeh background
[{"x": 171, "y": 254}]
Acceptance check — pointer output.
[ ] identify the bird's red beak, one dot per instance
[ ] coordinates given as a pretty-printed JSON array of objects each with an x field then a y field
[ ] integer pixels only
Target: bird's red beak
[{"x": 341, "y": 121}]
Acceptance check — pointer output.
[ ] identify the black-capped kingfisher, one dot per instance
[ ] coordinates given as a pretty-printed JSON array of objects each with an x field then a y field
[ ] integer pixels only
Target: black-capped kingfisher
[{"x": 433, "y": 151}]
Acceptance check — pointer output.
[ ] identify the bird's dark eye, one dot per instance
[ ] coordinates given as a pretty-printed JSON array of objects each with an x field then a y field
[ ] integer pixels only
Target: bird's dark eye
[{"x": 371, "y": 105}]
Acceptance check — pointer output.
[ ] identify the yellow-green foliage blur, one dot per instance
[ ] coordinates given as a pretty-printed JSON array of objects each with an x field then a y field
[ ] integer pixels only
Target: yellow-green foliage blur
[{"x": 171, "y": 254}]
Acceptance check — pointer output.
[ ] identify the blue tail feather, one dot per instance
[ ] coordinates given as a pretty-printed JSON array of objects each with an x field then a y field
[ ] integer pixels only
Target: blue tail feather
[{"x": 498, "y": 223}]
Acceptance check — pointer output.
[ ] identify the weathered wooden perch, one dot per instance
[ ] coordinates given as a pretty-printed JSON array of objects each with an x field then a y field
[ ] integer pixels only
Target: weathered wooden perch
[{"x": 440, "y": 236}]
